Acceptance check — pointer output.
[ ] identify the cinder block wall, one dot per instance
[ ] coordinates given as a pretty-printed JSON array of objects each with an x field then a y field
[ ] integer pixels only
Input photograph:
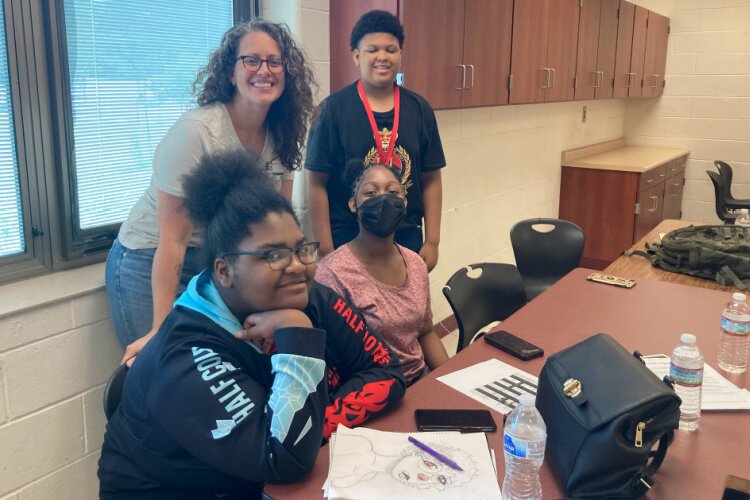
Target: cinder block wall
[
  {"x": 54, "y": 361},
  {"x": 706, "y": 102}
]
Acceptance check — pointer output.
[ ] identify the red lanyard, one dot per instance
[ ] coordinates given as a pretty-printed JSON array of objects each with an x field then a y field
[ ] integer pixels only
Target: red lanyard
[{"x": 385, "y": 157}]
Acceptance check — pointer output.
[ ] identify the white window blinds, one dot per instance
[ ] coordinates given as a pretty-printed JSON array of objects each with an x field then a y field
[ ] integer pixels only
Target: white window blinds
[
  {"x": 131, "y": 66},
  {"x": 11, "y": 220}
]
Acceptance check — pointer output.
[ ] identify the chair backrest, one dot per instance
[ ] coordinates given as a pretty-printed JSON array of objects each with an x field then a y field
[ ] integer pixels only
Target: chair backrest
[
  {"x": 722, "y": 212},
  {"x": 113, "y": 390},
  {"x": 482, "y": 293},
  {"x": 545, "y": 257},
  {"x": 725, "y": 170}
]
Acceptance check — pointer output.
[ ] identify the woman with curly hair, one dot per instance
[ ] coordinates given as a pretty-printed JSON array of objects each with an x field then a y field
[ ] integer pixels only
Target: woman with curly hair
[{"x": 255, "y": 93}]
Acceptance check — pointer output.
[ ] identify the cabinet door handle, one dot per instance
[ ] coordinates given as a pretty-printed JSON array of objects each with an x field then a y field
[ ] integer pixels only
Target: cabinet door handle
[
  {"x": 463, "y": 76},
  {"x": 595, "y": 78},
  {"x": 545, "y": 85},
  {"x": 631, "y": 77},
  {"x": 554, "y": 74},
  {"x": 655, "y": 79},
  {"x": 471, "y": 85},
  {"x": 656, "y": 203}
]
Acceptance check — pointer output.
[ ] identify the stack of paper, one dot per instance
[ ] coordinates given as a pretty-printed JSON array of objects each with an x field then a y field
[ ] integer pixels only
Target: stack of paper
[
  {"x": 367, "y": 464},
  {"x": 718, "y": 393}
]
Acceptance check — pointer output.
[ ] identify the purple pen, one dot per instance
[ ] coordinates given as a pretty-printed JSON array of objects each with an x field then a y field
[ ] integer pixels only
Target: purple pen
[{"x": 447, "y": 461}]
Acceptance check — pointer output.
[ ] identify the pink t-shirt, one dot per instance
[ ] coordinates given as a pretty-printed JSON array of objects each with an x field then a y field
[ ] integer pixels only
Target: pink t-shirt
[{"x": 397, "y": 313}]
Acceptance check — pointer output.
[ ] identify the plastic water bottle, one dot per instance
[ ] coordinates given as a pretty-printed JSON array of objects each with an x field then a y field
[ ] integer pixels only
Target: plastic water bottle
[
  {"x": 524, "y": 438},
  {"x": 686, "y": 369},
  {"x": 743, "y": 219},
  {"x": 735, "y": 335}
]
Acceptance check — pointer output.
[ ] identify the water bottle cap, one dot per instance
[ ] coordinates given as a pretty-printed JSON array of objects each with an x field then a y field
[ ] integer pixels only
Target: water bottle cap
[
  {"x": 738, "y": 297},
  {"x": 687, "y": 338},
  {"x": 527, "y": 399}
]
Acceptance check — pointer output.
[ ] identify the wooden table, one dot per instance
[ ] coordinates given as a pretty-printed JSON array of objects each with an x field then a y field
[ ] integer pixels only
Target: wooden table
[
  {"x": 649, "y": 317},
  {"x": 638, "y": 267}
]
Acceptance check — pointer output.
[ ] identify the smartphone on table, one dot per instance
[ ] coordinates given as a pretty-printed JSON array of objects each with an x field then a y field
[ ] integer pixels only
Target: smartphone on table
[
  {"x": 454, "y": 420},
  {"x": 515, "y": 346}
]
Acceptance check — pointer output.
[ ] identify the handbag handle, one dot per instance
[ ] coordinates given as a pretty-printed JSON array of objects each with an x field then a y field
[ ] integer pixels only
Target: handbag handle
[{"x": 643, "y": 480}]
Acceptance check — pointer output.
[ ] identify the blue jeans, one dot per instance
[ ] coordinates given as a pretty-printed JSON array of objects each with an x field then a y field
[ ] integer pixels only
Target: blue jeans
[
  {"x": 410, "y": 238},
  {"x": 128, "y": 278}
]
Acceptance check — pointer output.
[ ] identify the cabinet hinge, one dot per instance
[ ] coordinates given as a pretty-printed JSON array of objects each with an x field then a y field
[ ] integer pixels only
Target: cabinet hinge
[
  {"x": 669, "y": 30},
  {"x": 637, "y": 209},
  {"x": 613, "y": 83},
  {"x": 510, "y": 82},
  {"x": 618, "y": 12},
  {"x": 647, "y": 22},
  {"x": 36, "y": 232}
]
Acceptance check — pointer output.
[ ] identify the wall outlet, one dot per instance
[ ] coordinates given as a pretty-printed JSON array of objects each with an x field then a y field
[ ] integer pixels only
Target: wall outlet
[{"x": 583, "y": 114}]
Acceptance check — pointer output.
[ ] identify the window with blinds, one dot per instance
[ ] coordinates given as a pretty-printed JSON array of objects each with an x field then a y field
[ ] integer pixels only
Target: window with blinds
[
  {"x": 11, "y": 220},
  {"x": 131, "y": 65}
]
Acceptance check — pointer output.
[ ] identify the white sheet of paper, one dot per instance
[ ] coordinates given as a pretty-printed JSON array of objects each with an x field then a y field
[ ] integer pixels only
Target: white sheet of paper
[
  {"x": 718, "y": 392},
  {"x": 492, "y": 383},
  {"x": 366, "y": 463}
]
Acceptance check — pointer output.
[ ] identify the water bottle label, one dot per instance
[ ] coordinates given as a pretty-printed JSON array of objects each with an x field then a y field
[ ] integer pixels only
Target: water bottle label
[
  {"x": 686, "y": 376},
  {"x": 515, "y": 447},
  {"x": 735, "y": 327}
]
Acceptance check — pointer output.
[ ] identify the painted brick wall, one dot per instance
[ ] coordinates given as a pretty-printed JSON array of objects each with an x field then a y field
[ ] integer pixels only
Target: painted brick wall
[
  {"x": 54, "y": 361},
  {"x": 706, "y": 104}
]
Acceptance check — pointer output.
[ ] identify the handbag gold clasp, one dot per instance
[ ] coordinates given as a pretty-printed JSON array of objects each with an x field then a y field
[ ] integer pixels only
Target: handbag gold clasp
[{"x": 572, "y": 387}]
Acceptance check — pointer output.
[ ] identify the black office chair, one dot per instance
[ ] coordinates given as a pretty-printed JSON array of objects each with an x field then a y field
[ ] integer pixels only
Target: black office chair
[
  {"x": 113, "y": 390},
  {"x": 723, "y": 211},
  {"x": 725, "y": 170},
  {"x": 482, "y": 293},
  {"x": 545, "y": 257}
]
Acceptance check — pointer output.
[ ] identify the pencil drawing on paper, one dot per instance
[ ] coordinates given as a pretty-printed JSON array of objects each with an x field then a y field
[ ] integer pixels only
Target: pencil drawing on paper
[{"x": 409, "y": 466}]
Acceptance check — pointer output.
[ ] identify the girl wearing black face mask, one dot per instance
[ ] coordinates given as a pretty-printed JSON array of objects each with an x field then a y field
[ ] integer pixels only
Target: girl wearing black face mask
[{"x": 386, "y": 281}]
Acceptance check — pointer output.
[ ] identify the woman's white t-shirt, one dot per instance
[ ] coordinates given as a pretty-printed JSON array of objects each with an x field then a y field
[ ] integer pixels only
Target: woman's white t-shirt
[{"x": 203, "y": 130}]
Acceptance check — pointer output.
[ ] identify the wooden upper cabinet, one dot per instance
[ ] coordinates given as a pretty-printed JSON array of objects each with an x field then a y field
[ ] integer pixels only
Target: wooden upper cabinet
[
  {"x": 433, "y": 50},
  {"x": 343, "y": 15},
  {"x": 457, "y": 52},
  {"x": 561, "y": 52},
  {"x": 623, "y": 77},
  {"x": 587, "y": 74},
  {"x": 543, "y": 60},
  {"x": 605, "y": 59},
  {"x": 655, "y": 58},
  {"x": 487, "y": 36},
  {"x": 531, "y": 76},
  {"x": 640, "y": 26},
  {"x": 466, "y": 53}
]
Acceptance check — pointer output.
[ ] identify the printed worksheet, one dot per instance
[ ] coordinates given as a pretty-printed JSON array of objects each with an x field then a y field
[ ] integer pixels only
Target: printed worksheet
[
  {"x": 493, "y": 383},
  {"x": 718, "y": 392},
  {"x": 366, "y": 464}
]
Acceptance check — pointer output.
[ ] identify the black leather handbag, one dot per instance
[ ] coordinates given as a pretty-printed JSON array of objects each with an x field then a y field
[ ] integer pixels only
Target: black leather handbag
[{"x": 609, "y": 419}]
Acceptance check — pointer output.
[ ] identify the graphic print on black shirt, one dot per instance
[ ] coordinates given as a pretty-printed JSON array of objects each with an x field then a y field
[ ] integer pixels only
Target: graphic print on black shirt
[{"x": 342, "y": 132}]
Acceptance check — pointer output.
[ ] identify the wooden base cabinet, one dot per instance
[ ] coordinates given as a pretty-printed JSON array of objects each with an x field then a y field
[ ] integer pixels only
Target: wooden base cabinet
[{"x": 616, "y": 208}]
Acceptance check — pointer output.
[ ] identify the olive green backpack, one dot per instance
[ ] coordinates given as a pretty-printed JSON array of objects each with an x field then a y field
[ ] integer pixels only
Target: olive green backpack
[{"x": 720, "y": 253}]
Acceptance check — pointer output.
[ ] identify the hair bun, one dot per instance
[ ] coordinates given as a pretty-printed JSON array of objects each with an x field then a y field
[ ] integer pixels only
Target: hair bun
[{"x": 215, "y": 177}]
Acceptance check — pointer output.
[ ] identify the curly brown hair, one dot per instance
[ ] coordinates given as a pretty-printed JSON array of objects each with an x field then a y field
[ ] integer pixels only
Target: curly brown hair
[{"x": 288, "y": 117}]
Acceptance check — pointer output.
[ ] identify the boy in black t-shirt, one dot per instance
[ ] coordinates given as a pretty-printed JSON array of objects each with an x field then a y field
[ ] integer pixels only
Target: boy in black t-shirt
[{"x": 348, "y": 123}]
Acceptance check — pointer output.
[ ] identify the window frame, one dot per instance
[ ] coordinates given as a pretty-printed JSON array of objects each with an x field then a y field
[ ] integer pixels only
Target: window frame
[{"x": 43, "y": 128}]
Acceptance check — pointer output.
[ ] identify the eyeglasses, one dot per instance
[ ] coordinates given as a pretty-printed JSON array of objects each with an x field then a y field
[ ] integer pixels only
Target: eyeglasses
[
  {"x": 253, "y": 63},
  {"x": 279, "y": 258}
]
